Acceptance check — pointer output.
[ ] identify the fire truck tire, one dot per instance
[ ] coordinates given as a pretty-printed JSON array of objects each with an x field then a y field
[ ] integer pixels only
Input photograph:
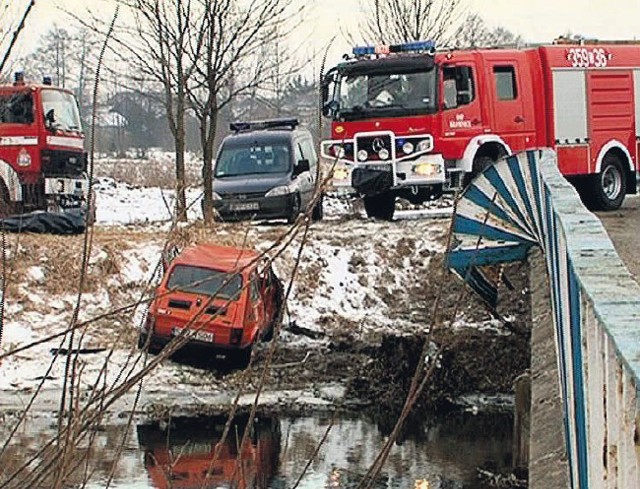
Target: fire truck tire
[
  {"x": 381, "y": 206},
  {"x": 480, "y": 164},
  {"x": 318, "y": 211},
  {"x": 609, "y": 186},
  {"x": 6, "y": 206}
]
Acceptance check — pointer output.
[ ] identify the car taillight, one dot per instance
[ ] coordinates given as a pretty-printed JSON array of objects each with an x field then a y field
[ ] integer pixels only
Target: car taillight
[{"x": 236, "y": 336}]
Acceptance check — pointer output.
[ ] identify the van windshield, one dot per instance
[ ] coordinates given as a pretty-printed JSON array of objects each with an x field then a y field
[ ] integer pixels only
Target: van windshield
[
  {"x": 199, "y": 280},
  {"x": 253, "y": 159}
]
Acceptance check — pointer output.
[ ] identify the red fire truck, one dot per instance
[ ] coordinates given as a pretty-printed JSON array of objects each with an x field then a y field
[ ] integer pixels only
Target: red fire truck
[
  {"x": 42, "y": 159},
  {"x": 411, "y": 121}
]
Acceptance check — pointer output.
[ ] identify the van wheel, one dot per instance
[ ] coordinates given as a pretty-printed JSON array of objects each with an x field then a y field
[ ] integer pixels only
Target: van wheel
[
  {"x": 380, "y": 206},
  {"x": 318, "y": 211},
  {"x": 609, "y": 186},
  {"x": 294, "y": 210}
]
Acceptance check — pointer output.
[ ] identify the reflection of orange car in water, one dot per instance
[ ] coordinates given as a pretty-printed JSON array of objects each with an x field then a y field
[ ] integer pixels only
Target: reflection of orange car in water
[{"x": 181, "y": 456}]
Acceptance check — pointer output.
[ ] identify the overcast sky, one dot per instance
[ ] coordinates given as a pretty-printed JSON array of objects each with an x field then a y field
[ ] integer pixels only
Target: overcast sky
[{"x": 534, "y": 20}]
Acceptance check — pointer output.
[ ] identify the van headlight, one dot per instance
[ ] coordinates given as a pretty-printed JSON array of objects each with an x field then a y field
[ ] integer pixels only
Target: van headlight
[
  {"x": 276, "y": 191},
  {"x": 215, "y": 196}
]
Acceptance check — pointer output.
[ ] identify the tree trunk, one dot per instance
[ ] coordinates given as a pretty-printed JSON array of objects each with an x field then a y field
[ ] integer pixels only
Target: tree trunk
[
  {"x": 208, "y": 138},
  {"x": 181, "y": 200}
]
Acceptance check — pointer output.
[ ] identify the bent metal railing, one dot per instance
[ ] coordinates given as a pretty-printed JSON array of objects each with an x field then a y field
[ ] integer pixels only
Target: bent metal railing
[{"x": 521, "y": 202}]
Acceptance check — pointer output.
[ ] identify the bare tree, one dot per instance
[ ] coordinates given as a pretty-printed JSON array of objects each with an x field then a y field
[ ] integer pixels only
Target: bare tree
[
  {"x": 159, "y": 46},
  {"x": 474, "y": 33},
  {"x": 398, "y": 21},
  {"x": 234, "y": 60}
]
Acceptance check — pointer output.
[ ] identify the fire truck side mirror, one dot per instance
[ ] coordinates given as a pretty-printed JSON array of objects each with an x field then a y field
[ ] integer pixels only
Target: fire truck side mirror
[{"x": 50, "y": 118}]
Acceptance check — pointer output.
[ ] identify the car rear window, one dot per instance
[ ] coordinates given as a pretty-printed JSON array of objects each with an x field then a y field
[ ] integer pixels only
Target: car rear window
[
  {"x": 199, "y": 280},
  {"x": 253, "y": 159}
]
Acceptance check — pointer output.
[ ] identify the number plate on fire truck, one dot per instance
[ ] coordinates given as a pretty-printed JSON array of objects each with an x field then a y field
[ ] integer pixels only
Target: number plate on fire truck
[{"x": 194, "y": 335}]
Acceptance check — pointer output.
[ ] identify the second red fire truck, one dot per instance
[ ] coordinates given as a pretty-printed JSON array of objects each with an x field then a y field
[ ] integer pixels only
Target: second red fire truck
[
  {"x": 409, "y": 121},
  {"x": 43, "y": 164}
]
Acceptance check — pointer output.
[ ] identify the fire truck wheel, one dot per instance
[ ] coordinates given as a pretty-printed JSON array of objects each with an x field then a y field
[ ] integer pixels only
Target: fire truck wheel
[
  {"x": 380, "y": 206},
  {"x": 609, "y": 186},
  {"x": 480, "y": 164},
  {"x": 6, "y": 208}
]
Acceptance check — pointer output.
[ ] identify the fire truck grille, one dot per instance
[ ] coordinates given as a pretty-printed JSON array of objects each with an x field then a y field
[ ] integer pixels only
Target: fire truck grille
[
  {"x": 374, "y": 145},
  {"x": 63, "y": 163}
]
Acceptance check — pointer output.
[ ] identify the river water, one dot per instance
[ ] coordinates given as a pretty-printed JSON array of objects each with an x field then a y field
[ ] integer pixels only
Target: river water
[{"x": 445, "y": 453}]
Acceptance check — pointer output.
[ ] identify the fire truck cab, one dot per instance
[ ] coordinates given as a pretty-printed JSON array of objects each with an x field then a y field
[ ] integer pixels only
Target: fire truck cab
[
  {"x": 42, "y": 159},
  {"x": 411, "y": 121}
]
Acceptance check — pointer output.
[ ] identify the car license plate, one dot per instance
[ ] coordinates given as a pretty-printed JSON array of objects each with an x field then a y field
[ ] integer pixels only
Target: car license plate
[
  {"x": 245, "y": 206},
  {"x": 199, "y": 335}
]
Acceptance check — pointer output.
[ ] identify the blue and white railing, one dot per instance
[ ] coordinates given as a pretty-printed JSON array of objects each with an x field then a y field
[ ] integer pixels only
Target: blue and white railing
[{"x": 521, "y": 202}]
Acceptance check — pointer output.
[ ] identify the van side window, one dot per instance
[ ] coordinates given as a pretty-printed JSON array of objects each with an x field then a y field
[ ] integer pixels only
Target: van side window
[
  {"x": 505, "y": 82},
  {"x": 309, "y": 152},
  {"x": 458, "y": 87},
  {"x": 299, "y": 154}
]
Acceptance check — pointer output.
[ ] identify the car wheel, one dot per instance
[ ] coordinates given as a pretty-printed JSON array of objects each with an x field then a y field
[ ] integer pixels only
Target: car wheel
[
  {"x": 243, "y": 357},
  {"x": 318, "y": 211},
  {"x": 609, "y": 186},
  {"x": 151, "y": 346},
  {"x": 381, "y": 206},
  {"x": 294, "y": 210}
]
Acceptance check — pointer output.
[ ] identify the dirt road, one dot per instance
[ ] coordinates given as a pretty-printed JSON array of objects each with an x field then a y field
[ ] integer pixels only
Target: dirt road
[{"x": 623, "y": 227}]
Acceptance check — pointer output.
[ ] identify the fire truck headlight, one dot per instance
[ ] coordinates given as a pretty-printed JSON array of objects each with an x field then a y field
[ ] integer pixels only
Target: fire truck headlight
[
  {"x": 363, "y": 155},
  {"x": 338, "y": 151},
  {"x": 24, "y": 158},
  {"x": 383, "y": 154},
  {"x": 407, "y": 148},
  {"x": 425, "y": 145},
  {"x": 426, "y": 169}
]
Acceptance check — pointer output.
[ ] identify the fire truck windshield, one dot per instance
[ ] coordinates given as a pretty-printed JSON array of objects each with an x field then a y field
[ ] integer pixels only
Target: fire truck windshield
[
  {"x": 65, "y": 115},
  {"x": 16, "y": 108},
  {"x": 386, "y": 94}
]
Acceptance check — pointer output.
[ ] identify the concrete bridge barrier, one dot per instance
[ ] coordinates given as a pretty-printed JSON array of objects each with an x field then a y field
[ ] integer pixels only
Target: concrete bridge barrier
[{"x": 523, "y": 204}]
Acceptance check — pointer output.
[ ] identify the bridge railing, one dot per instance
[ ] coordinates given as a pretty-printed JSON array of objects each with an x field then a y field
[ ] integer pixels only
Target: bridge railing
[{"x": 522, "y": 202}]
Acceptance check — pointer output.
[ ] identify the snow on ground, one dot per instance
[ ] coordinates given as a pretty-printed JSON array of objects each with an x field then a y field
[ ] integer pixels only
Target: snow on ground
[
  {"x": 355, "y": 276},
  {"x": 122, "y": 203}
]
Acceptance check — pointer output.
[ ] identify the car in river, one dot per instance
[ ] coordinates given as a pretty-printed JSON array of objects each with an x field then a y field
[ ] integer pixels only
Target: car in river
[
  {"x": 223, "y": 298},
  {"x": 266, "y": 169}
]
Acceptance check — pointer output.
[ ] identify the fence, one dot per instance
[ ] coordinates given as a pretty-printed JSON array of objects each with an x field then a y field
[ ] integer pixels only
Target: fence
[{"x": 521, "y": 202}]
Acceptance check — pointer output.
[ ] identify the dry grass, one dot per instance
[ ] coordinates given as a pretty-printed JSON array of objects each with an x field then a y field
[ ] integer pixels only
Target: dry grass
[{"x": 156, "y": 171}]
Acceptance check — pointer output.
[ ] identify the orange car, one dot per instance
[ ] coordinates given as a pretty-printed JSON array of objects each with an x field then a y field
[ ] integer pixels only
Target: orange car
[
  {"x": 184, "y": 456},
  {"x": 225, "y": 296}
]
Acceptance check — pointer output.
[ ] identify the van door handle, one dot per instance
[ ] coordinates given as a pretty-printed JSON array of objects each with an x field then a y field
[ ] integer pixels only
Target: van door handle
[{"x": 518, "y": 119}]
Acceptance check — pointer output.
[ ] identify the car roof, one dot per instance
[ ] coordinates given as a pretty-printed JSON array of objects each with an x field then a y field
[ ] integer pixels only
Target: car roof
[
  {"x": 223, "y": 258},
  {"x": 264, "y": 136}
]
